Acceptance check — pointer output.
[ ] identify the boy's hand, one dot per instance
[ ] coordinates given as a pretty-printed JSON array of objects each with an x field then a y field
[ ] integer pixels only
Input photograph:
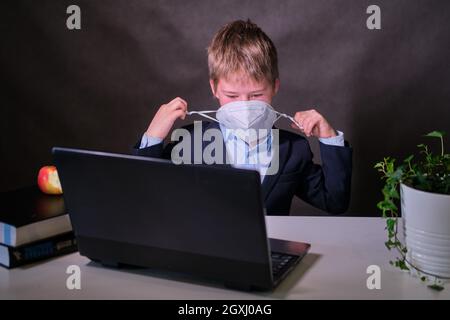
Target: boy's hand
[
  {"x": 165, "y": 117},
  {"x": 314, "y": 124}
]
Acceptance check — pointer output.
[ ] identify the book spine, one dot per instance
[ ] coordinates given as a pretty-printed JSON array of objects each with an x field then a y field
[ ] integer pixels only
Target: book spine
[
  {"x": 41, "y": 250},
  {"x": 7, "y": 234}
]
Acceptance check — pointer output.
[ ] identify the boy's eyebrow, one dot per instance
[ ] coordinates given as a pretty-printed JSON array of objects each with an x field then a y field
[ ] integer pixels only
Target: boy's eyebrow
[
  {"x": 260, "y": 90},
  {"x": 234, "y": 92}
]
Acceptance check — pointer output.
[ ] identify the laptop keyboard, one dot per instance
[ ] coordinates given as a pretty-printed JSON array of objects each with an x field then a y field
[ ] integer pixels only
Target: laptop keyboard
[{"x": 281, "y": 262}]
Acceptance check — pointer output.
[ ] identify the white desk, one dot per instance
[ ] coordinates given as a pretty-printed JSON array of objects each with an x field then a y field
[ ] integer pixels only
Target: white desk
[{"x": 342, "y": 249}]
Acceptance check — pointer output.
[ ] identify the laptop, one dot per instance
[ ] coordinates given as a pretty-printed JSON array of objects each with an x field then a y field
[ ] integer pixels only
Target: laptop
[{"x": 207, "y": 221}]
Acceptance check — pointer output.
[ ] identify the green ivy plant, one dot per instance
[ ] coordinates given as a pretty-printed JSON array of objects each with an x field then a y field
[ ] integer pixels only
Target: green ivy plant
[{"x": 429, "y": 172}]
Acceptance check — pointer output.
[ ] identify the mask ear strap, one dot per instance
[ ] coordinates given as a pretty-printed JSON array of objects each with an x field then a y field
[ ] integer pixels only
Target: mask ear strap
[
  {"x": 278, "y": 118},
  {"x": 290, "y": 118},
  {"x": 203, "y": 114}
]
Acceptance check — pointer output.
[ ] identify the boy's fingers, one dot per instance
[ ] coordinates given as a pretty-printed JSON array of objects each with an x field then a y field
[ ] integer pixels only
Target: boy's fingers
[
  {"x": 306, "y": 130},
  {"x": 308, "y": 125},
  {"x": 301, "y": 117},
  {"x": 177, "y": 104},
  {"x": 180, "y": 100},
  {"x": 179, "y": 114},
  {"x": 177, "y": 99},
  {"x": 310, "y": 121}
]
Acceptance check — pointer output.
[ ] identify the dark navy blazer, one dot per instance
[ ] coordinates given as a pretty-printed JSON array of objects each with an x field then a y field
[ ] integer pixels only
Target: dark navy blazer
[{"x": 326, "y": 187}]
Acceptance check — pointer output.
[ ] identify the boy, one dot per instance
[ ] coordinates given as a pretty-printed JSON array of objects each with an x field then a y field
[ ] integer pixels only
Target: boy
[{"x": 243, "y": 71}]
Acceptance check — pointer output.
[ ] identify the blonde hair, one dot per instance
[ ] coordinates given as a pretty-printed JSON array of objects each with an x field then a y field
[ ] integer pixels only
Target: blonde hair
[{"x": 241, "y": 46}]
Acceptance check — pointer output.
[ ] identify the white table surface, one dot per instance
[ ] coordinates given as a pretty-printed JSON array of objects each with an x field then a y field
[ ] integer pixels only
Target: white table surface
[{"x": 342, "y": 249}]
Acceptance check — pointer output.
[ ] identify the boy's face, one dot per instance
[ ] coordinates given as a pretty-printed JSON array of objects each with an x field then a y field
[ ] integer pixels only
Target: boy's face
[{"x": 238, "y": 88}]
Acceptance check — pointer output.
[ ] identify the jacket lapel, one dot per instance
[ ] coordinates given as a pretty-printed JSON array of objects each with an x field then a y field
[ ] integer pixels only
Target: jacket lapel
[{"x": 270, "y": 180}]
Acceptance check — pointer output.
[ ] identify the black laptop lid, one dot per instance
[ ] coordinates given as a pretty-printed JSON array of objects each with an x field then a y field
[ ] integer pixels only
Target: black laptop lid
[{"x": 209, "y": 210}]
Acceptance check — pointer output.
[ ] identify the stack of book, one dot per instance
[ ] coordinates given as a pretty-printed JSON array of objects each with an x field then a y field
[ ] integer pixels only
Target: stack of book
[{"x": 33, "y": 226}]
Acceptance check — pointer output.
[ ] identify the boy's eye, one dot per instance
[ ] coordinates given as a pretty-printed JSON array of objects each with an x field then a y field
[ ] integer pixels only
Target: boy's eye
[
  {"x": 257, "y": 95},
  {"x": 232, "y": 97}
]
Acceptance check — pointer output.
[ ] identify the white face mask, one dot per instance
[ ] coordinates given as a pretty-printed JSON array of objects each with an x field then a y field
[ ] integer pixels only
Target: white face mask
[{"x": 244, "y": 115}]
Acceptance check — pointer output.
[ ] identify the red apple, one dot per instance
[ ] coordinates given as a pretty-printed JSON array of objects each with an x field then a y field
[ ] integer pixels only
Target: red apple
[{"x": 48, "y": 180}]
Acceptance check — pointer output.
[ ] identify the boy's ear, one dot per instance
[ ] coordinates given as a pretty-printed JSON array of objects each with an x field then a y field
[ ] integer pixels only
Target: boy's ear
[
  {"x": 213, "y": 87},
  {"x": 276, "y": 86}
]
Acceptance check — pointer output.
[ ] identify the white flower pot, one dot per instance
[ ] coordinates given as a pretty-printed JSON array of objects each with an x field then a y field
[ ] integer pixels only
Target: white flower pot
[{"x": 426, "y": 226}]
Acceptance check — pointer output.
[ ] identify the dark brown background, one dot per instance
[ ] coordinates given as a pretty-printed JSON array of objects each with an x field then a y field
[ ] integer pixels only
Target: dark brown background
[{"x": 99, "y": 87}]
